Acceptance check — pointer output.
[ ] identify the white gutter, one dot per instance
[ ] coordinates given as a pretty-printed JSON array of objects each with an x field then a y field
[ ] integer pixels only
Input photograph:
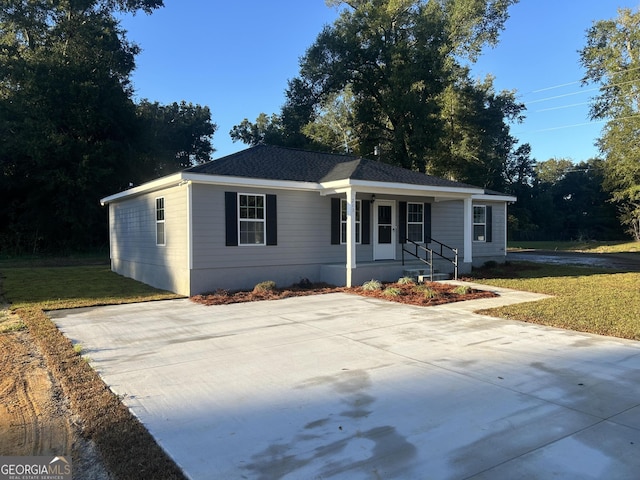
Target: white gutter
[
  {"x": 250, "y": 182},
  {"x": 330, "y": 188},
  {"x": 495, "y": 198},
  {"x": 154, "y": 185},
  {"x": 201, "y": 178}
]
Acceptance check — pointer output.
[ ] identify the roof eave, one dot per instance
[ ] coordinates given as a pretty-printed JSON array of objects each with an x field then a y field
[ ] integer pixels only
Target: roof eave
[
  {"x": 495, "y": 198},
  {"x": 151, "y": 186},
  {"x": 205, "y": 178}
]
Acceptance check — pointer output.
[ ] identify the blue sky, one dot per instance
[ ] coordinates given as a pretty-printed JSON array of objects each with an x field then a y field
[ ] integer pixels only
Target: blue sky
[{"x": 236, "y": 57}]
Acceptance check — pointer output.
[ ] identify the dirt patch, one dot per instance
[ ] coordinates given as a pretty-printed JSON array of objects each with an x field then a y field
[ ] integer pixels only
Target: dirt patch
[
  {"x": 424, "y": 294},
  {"x": 35, "y": 418}
]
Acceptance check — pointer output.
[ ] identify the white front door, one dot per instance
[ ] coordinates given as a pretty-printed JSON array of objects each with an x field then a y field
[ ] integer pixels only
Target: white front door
[{"x": 384, "y": 230}]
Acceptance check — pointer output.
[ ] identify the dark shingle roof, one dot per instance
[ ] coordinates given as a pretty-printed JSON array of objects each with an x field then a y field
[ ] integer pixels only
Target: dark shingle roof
[{"x": 279, "y": 163}]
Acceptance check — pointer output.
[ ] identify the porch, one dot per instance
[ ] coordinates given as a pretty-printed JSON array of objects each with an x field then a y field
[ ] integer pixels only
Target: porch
[{"x": 387, "y": 271}]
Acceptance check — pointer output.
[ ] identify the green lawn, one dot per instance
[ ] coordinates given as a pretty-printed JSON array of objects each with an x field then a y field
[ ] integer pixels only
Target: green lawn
[
  {"x": 592, "y": 247},
  {"x": 52, "y": 288},
  {"x": 585, "y": 299}
]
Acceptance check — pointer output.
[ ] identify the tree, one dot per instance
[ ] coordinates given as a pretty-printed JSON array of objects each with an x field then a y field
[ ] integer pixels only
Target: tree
[
  {"x": 70, "y": 132},
  {"x": 476, "y": 144},
  {"x": 264, "y": 130},
  {"x": 561, "y": 200},
  {"x": 66, "y": 114},
  {"x": 334, "y": 126},
  {"x": 398, "y": 59},
  {"x": 611, "y": 59},
  {"x": 173, "y": 137}
]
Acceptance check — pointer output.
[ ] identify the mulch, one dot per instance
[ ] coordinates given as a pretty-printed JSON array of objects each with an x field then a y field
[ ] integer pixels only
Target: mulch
[{"x": 406, "y": 293}]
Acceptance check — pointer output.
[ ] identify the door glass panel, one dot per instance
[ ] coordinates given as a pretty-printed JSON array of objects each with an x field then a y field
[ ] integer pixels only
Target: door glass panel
[
  {"x": 384, "y": 233},
  {"x": 384, "y": 214},
  {"x": 384, "y": 223}
]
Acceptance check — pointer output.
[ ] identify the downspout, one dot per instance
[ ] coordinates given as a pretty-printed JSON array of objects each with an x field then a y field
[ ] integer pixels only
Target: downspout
[
  {"x": 189, "y": 231},
  {"x": 505, "y": 228},
  {"x": 468, "y": 230},
  {"x": 351, "y": 235}
]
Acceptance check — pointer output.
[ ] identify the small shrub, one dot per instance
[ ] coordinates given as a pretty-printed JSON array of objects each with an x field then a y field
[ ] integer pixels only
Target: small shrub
[
  {"x": 406, "y": 281},
  {"x": 392, "y": 292},
  {"x": 427, "y": 291},
  {"x": 305, "y": 283},
  {"x": 263, "y": 287},
  {"x": 372, "y": 285},
  {"x": 461, "y": 290}
]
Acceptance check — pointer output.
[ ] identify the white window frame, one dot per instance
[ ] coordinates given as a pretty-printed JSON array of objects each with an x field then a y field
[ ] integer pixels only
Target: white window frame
[
  {"x": 343, "y": 222},
  {"x": 478, "y": 238},
  {"x": 160, "y": 222},
  {"x": 262, "y": 220},
  {"x": 421, "y": 222}
]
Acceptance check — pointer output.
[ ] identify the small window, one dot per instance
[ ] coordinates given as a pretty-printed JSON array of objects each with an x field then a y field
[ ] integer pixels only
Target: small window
[
  {"x": 251, "y": 219},
  {"x": 415, "y": 222},
  {"x": 343, "y": 221},
  {"x": 160, "y": 234},
  {"x": 479, "y": 223}
]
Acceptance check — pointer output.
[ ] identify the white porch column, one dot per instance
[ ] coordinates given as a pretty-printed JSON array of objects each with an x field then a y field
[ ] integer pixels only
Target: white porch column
[
  {"x": 468, "y": 230},
  {"x": 351, "y": 234}
]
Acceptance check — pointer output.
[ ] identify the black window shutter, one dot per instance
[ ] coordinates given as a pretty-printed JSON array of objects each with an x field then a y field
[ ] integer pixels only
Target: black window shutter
[
  {"x": 402, "y": 223},
  {"x": 335, "y": 221},
  {"x": 427, "y": 222},
  {"x": 231, "y": 218},
  {"x": 272, "y": 220},
  {"x": 366, "y": 221},
  {"x": 489, "y": 214}
]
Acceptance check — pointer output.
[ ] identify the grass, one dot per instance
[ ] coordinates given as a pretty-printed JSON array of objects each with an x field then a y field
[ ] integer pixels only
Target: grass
[
  {"x": 127, "y": 448},
  {"x": 54, "y": 288},
  {"x": 584, "y": 299},
  {"x": 591, "y": 247}
]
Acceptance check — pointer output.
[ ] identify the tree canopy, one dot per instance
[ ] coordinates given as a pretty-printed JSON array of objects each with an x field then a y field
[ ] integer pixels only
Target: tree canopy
[
  {"x": 611, "y": 59},
  {"x": 387, "y": 76},
  {"x": 70, "y": 130}
]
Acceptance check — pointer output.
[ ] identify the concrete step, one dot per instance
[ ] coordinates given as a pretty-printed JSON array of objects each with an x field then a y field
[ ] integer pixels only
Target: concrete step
[
  {"x": 436, "y": 276},
  {"x": 422, "y": 274}
]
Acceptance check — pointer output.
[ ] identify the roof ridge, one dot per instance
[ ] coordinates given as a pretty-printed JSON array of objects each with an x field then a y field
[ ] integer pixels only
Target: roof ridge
[{"x": 305, "y": 150}]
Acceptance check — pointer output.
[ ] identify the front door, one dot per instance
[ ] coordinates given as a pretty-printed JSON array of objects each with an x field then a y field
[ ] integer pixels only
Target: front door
[{"x": 384, "y": 230}]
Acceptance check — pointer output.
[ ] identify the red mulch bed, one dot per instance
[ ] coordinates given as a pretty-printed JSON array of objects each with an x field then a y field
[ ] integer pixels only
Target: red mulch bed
[{"x": 408, "y": 294}]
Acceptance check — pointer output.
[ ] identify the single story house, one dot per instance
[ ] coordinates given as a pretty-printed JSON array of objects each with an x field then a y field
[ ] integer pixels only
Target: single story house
[{"x": 282, "y": 214}]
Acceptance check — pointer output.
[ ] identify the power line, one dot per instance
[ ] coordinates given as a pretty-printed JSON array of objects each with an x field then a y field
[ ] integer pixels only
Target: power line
[
  {"x": 562, "y": 127},
  {"x": 579, "y": 92},
  {"x": 562, "y": 85},
  {"x": 553, "y": 87},
  {"x": 562, "y": 106}
]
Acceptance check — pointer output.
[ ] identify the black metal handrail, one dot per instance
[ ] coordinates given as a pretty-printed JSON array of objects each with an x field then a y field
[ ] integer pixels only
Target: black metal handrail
[{"x": 428, "y": 254}]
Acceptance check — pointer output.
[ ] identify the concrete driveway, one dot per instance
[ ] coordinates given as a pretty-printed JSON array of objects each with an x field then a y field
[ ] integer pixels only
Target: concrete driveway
[{"x": 340, "y": 386}]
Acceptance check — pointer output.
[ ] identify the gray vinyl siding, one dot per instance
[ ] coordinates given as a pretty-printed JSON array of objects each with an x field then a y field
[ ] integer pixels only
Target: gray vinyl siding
[
  {"x": 447, "y": 224},
  {"x": 134, "y": 253},
  {"x": 448, "y": 228},
  {"x": 303, "y": 244},
  {"x": 496, "y": 249}
]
